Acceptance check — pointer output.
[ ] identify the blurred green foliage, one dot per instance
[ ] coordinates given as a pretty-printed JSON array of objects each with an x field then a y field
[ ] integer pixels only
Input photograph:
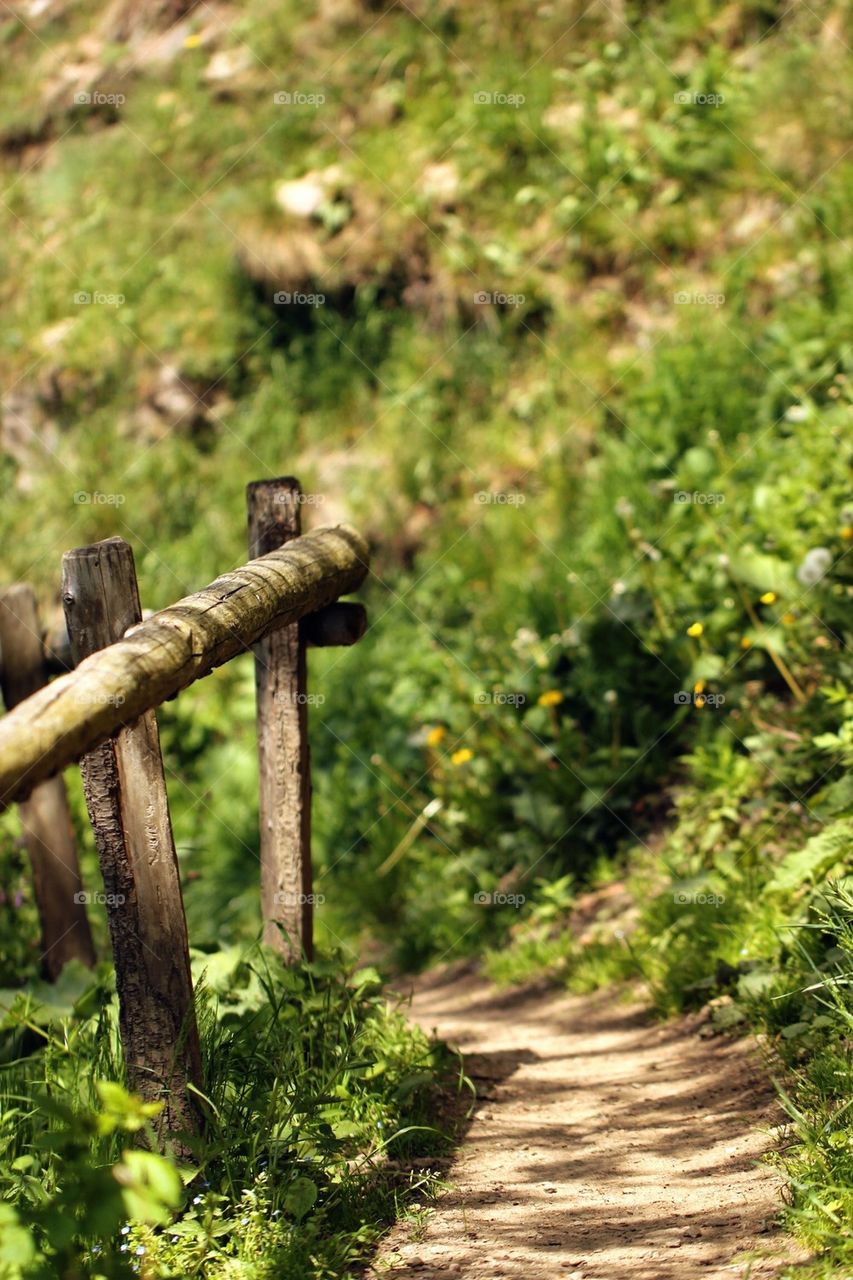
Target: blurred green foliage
[{"x": 611, "y": 510}]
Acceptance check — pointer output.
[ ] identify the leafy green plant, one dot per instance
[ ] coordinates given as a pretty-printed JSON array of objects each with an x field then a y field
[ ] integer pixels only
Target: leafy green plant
[
  {"x": 311, "y": 1083},
  {"x": 611, "y": 517}
]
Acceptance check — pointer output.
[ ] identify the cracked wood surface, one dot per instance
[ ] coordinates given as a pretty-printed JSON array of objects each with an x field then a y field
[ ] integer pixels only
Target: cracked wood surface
[{"x": 172, "y": 649}]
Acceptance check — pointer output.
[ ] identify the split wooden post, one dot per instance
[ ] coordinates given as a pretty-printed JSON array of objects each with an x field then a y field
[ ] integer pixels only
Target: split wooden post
[
  {"x": 45, "y": 816},
  {"x": 275, "y": 517},
  {"x": 126, "y": 795}
]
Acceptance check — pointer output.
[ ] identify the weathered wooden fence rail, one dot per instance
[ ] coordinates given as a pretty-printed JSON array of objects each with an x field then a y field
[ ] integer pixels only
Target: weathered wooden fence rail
[
  {"x": 101, "y": 713},
  {"x": 170, "y": 651}
]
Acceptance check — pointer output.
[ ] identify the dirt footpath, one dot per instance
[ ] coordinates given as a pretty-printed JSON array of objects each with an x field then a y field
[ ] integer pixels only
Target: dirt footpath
[{"x": 604, "y": 1146}]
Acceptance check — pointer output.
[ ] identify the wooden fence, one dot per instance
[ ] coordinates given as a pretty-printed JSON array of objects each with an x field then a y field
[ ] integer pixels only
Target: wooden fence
[{"x": 118, "y": 669}]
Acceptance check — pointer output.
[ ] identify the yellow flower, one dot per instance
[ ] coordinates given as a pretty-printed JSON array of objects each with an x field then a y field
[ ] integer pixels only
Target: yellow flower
[
  {"x": 551, "y": 698},
  {"x": 745, "y": 643},
  {"x": 462, "y": 756},
  {"x": 699, "y": 687},
  {"x": 698, "y": 701},
  {"x": 193, "y": 41},
  {"x": 436, "y": 735},
  {"x": 789, "y": 618},
  {"x": 769, "y": 597},
  {"x": 695, "y": 630},
  {"x": 847, "y": 532}
]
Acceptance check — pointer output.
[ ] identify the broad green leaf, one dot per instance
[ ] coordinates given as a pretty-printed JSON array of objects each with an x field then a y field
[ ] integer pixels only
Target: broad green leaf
[
  {"x": 300, "y": 1198},
  {"x": 811, "y": 863},
  {"x": 764, "y": 572},
  {"x": 151, "y": 1186},
  {"x": 17, "y": 1247}
]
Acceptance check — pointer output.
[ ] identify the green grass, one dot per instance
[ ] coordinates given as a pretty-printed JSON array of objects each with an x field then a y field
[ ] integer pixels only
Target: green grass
[
  {"x": 311, "y": 1082},
  {"x": 519, "y": 678}
]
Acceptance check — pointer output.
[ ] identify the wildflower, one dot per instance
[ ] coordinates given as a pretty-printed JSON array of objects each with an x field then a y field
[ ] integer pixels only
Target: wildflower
[
  {"x": 695, "y": 630},
  {"x": 699, "y": 686},
  {"x": 193, "y": 41},
  {"x": 699, "y": 701},
  {"x": 745, "y": 642},
  {"x": 611, "y": 697},
  {"x": 789, "y": 619},
  {"x": 847, "y": 532},
  {"x": 462, "y": 756},
  {"x": 814, "y": 566},
  {"x": 797, "y": 413},
  {"x": 769, "y": 597},
  {"x": 436, "y": 735},
  {"x": 550, "y": 698},
  {"x": 624, "y": 508},
  {"x": 524, "y": 639}
]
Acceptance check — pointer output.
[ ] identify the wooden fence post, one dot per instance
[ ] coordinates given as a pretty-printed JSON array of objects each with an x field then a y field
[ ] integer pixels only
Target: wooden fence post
[
  {"x": 282, "y": 716},
  {"x": 45, "y": 817},
  {"x": 126, "y": 795}
]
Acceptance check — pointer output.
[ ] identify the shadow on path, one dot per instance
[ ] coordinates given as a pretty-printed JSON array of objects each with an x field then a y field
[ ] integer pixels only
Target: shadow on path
[{"x": 602, "y": 1144}]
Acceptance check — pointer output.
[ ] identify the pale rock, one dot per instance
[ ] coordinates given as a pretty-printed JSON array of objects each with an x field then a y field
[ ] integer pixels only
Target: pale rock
[
  {"x": 55, "y": 334},
  {"x": 563, "y": 116},
  {"x": 440, "y": 183},
  {"x": 172, "y": 398},
  {"x": 304, "y": 197},
  {"x": 226, "y": 64}
]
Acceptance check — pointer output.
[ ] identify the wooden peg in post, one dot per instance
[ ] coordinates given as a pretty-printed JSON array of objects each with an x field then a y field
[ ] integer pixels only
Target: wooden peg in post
[
  {"x": 341, "y": 623},
  {"x": 282, "y": 717},
  {"x": 126, "y": 795},
  {"x": 45, "y": 817}
]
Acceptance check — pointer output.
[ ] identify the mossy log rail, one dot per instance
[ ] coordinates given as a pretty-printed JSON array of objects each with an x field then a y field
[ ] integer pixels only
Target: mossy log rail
[{"x": 170, "y": 650}]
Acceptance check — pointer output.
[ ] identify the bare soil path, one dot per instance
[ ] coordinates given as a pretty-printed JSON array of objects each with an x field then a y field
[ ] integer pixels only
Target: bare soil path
[{"x": 603, "y": 1145}]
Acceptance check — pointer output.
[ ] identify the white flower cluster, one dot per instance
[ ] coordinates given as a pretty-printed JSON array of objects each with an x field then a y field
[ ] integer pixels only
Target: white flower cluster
[{"x": 814, "y": 566}]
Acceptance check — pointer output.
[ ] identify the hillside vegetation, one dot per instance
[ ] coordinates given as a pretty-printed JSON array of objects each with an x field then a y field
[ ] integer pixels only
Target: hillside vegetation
[{"x": 555, "y": 303}]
